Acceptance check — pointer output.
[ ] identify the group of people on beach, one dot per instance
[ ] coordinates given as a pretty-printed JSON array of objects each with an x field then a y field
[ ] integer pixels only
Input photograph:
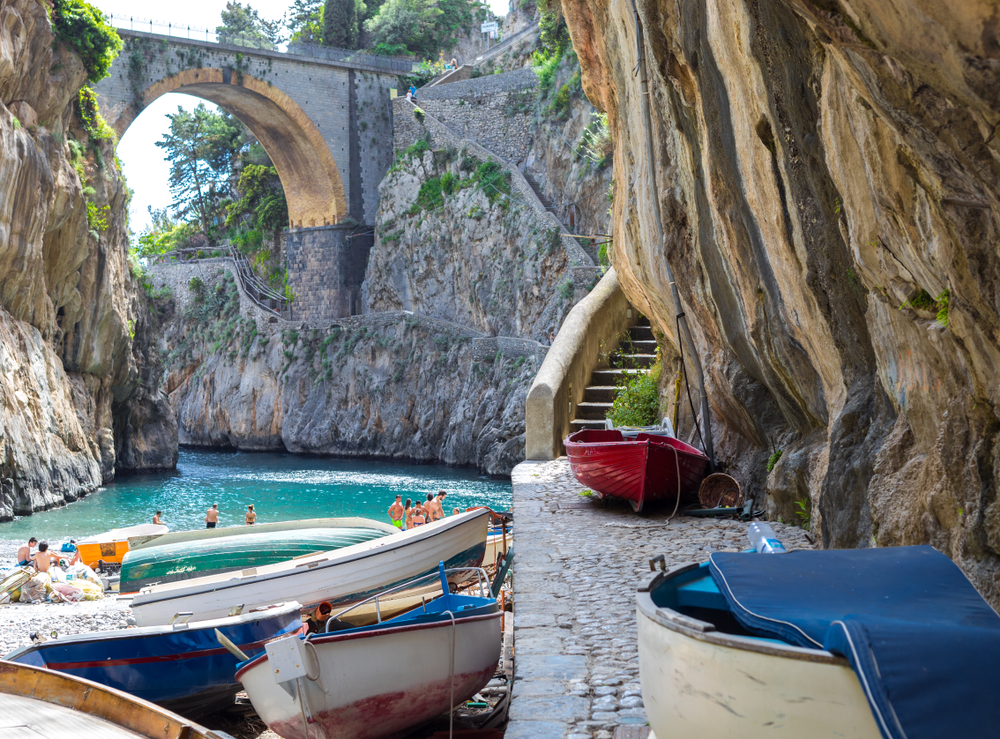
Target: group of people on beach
[
  {"x": 409, "y": 515},
  {"x": 212, "y": 516},
  {"x": 41, "y": 558}
]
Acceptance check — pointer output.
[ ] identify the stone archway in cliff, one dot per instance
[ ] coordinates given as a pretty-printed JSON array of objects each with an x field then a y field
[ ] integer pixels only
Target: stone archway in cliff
[{"x": 313, "y": 186}]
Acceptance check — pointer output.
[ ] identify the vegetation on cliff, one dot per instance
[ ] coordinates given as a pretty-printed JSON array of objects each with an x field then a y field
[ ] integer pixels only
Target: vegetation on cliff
[{"x": 86, "y": 30}]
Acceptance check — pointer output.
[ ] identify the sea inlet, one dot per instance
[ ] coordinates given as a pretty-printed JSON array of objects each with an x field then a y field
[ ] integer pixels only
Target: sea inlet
[{"x": 281, "y": 487}]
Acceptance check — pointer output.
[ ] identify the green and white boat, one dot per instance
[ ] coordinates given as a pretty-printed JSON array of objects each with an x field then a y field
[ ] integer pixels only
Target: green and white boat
[{"x": 189, "y": 554}]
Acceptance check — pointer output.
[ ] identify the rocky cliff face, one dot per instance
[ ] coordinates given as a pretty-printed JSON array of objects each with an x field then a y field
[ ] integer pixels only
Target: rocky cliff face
[
  {"x": 471, "y": 255},
  {"x": 73, "y": 401},
  {"x": 828, "y": 177},
  {"x": 391, "y": 385}
]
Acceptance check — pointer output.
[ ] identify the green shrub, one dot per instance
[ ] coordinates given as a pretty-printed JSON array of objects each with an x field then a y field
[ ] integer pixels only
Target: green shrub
[
  {"x": 493, "y": 179},
  {"x": 93, "y": 122},
  {"x": 86, "y": 30},
  {"x": 429, "y": 197},
  {"x": 560, "y": 105},
  {"x": 637, "y": 399},
  {"x": 448, "y": 183},
  {"x": 418, "y": 114}
]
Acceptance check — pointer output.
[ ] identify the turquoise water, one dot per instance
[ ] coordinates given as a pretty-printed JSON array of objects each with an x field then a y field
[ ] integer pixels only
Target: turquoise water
[{"x": 282, "y": 487}]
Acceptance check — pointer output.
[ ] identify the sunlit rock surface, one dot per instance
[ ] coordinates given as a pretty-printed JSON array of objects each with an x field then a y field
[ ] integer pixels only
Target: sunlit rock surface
[
  {"x": 69, "y": 305},
  {"x": 828, "y": 177}
]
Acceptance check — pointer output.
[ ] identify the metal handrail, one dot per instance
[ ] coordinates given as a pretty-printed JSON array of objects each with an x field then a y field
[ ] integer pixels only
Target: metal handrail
[
  {"x": 260, "y": 294},
  {"x": 208, "y": 35},
  {"x": 482, "y": 578}
]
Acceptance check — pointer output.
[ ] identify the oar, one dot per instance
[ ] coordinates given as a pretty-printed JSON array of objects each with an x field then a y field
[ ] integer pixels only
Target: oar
[{"x": 228, "y": 644}]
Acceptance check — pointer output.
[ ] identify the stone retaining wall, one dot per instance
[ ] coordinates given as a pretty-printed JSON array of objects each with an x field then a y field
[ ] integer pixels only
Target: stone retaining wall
[
  {"x": 491, "y": 84},
  {"x": 502, "y": 122}
]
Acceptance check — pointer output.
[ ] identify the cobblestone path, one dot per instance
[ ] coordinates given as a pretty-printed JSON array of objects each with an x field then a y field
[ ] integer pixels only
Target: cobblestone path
[{"x": 577, "y": 562}]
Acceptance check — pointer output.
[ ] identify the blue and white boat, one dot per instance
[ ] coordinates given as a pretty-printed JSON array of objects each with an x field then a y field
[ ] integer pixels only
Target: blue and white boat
[
  {"x": 892, "y": 642},
  {"x": 379, "y": 680},
  {"x": 181, "y": 667}
]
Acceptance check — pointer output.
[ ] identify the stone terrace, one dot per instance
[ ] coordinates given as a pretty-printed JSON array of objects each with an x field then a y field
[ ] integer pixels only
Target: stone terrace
[{"x": 577, "y": 563}]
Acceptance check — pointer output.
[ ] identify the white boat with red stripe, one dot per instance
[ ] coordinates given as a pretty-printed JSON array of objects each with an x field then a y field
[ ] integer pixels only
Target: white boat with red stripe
[{"x": 379, "y": 680}]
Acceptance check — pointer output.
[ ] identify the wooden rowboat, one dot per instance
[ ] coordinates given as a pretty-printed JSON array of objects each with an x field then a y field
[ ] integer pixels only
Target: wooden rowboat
[
  {"x": 702, "y": 675},
  {"x": 341, "y": 577},
  {"x": 382, "y": 679},
  {"x": 43, "y": 704},
  {"x": 111, "y": 546},
  {"x": 181, "y": 667},
  {"x": 640, "y": 469},
  {"x": 186, "y": 560}
]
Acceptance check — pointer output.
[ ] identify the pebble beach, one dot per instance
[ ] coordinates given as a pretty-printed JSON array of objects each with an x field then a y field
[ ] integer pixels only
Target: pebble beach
[{"x": 19, "y": 620}]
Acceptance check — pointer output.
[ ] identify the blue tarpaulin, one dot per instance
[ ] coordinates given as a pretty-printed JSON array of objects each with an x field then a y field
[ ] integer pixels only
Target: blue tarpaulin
[{"x": 924, "y": 643}]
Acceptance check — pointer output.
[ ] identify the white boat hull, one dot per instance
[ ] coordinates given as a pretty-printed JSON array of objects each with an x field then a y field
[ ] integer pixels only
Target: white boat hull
[
  {"x": 698, "y": 684},
  {"x": 341, "y": 577},
  {"x": 378, "y": 683}
]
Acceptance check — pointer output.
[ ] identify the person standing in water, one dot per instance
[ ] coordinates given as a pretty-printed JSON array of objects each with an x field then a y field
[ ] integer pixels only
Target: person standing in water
[
  {"x": 212, "y": 516},
  {"x": 396, "y": 513},
  {"x": 156, "y": 518},
  {"x": 251, "y": 515}
]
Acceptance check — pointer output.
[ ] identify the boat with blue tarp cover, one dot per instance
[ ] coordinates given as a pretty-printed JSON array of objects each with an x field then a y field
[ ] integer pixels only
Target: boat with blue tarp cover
[
  {"x": 181, "y": 667},
  {"x": 382, "y": 679},
  {"x": 861, "y": 643},
  {"x": 188, "y": 559}
]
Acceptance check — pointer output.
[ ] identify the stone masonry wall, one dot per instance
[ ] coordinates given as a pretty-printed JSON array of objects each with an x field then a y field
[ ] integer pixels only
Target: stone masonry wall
[
  {"x": 502, "y": 122},
  {"x": 491, "y": 84},
  {"x": 374, "y": 130},
  {"x": 325, "y": 269}
]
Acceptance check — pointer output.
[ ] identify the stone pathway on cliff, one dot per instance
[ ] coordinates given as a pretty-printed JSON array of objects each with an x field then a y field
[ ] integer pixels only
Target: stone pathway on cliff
[{"x": 577, "y": 563}]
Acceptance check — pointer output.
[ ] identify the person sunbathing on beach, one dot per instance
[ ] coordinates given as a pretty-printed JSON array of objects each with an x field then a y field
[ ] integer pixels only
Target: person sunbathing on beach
[
  {"x": 43, "y": 558},
  {"x": 24, "y": 553}
]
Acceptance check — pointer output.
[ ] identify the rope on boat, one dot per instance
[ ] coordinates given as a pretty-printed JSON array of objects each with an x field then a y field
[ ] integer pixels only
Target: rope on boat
[{"x": 451, "y": 680}]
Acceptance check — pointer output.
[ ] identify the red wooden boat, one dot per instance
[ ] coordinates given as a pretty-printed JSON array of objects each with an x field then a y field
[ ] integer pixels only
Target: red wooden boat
[{"x": 638, "y": 469}]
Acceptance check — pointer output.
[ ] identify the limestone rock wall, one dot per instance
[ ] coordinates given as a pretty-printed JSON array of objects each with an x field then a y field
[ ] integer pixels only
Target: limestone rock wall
[
  {"x": 69, "y": 305},
  {"x": 489, "y": 263},
  {"x": 388, "y": 385},
  {"x": 828, "y": 177}
]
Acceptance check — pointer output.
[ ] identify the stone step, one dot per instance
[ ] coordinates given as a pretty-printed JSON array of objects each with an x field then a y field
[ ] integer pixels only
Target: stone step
[
  {"x": 579, "y": 424},
  {"x": 599, "y": 394},
  {"x": 641, "y": 333},
  {"x": 643, "y": 346},
  {"x": 592, "y": 411},
  {"x": 638, "y": 360},
  {"x": 612, "y": 376}
]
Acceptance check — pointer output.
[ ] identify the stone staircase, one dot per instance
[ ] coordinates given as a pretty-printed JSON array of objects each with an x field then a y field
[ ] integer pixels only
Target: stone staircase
[{"x": 635, "y": 355}]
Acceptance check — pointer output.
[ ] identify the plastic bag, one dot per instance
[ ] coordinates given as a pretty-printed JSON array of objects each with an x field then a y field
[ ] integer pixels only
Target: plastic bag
[
  {"x": 89, "y": 589},
  {"x": 82, "y": 572},
  {"x": 33, "y": 591},
  {"x": 67, "y": 592}
]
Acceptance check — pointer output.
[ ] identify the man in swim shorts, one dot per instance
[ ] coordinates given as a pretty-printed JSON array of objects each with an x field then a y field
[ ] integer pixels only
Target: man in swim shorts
[
  {"x": 212, "y": 516},
  {"x": 396, "y": 513},
  {"x": 24, "y": 553}
]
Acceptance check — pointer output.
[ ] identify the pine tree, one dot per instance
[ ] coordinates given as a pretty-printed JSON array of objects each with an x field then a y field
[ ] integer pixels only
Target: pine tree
[{"x": 340, "y": 23}]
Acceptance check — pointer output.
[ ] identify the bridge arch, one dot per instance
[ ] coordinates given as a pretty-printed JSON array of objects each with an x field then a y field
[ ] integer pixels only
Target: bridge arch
[{"x": 312, "y": 182}]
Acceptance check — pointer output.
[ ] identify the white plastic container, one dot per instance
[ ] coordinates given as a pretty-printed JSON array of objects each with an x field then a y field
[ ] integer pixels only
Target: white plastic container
[{"x": 764, "y": 540}]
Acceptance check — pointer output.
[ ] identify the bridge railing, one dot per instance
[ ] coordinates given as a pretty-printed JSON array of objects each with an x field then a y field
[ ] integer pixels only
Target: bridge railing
[{"x": 249, "y": 41}]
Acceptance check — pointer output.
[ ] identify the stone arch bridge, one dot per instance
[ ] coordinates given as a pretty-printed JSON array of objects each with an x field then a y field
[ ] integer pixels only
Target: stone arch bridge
[{"x": 325, "y": 123}]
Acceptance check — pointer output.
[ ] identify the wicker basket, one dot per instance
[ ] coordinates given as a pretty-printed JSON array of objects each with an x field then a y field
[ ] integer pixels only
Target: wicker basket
[{"x": 719, "y": 490}]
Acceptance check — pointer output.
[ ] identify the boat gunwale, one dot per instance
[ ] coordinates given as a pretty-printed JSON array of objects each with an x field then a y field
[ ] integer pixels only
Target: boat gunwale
[
  {"x": 692, "y": 627},
  {"x": 80, "y": 694},
  {"x": 696, "y": 454},
  {"x": 352, "y": 634},
  {"x": 187, "y": 588},
  {"x": 145, "y": 632}
]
